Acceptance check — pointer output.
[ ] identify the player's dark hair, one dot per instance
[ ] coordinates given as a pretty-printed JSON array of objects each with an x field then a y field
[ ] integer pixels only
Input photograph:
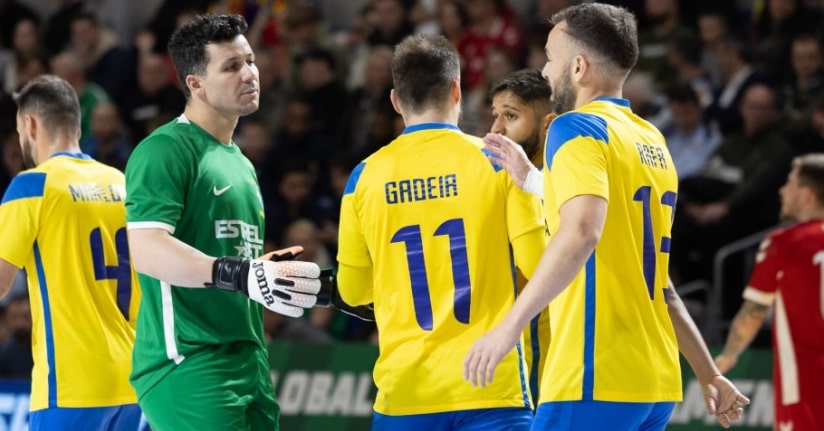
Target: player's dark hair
[
  {"x": 423, "y": 69},
  {"x": 187, "y": 45},
  {"x": 53, "y": 100},
  {"x": 529, "y": 86},
  {"x": 811, "y": 173},
  {"x": 609, "y": 32}
]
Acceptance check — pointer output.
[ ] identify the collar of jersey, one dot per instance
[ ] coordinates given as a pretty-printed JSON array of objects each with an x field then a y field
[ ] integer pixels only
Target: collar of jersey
[
  {"x": 615, "y": 100},
  {"x": 428, "y": 126},
  {"x": 74, "y": 155}
]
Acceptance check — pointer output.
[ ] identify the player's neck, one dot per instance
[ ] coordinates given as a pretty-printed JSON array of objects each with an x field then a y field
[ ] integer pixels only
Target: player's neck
[
  {"x": 57, "y": 144},
  {"x": 431, "y": 116},
  {"x": 810, "y": 214},
  {"x": 588, "y": 94},
  {"x": 219, "y": 126}
]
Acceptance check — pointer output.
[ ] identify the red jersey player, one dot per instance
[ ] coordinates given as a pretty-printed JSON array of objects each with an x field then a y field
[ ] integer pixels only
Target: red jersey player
[{"x": 788, "y": 276}]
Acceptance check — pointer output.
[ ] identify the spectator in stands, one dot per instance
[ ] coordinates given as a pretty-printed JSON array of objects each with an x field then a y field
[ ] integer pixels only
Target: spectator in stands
[
  {"x": 327, "y": 96},
  {"x": 491, "y": 24},
  {"x": 371, "y": 97},
  {"x": 57, "y": 35},
  {"x": 713, "y": 30},
  {"x": 664, "y": 27},
  {"x": 736, "y": 192},
  {"x": 106, "y": 64},
  {"x": 154, "y": 95},
  {"x": 109, "y": 142},
  {"x": 16, "y": 360},
  {"x": 788, "y": 278},
  {"x": 12, "y": 12},
  {"x": 453, "y": 20},
  {"x": 475, "y": 116},
  {"x": 774, "y": 28},
  {"x": 391, "y": 23},
  {"x": 300, "y": 141},
  {"x": 737, "y": 74},
  {"x": 805, "y": 84},
  {"x": 690, "y": 140},
  {"x": 26, "y": 47},
  {"x": 684, "y": 57},
  {"x": 68, "y": 66},
  {"x": 295, "y": 200}
]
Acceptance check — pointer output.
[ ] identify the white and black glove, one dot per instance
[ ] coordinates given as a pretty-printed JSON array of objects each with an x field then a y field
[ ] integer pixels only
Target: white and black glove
[
  {"x": 329, "y": 297},
  {"x": 286, "y": 287}
]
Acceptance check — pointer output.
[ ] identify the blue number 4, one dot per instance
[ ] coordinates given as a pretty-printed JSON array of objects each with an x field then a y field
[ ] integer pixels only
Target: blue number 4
[
  {"x": 411, "y": 236},
  {"x": 643, "y": 195},
  {"x": 122, "y": 272}
]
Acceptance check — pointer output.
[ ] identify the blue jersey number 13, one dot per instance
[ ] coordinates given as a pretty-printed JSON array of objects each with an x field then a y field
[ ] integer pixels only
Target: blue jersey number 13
[
  {"x": 643, "y": 195},
  {"x": 411, "y": 236}
]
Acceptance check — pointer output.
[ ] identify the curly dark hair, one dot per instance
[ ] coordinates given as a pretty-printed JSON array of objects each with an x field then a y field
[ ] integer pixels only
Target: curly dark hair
[{"x": 187, "y": 45}]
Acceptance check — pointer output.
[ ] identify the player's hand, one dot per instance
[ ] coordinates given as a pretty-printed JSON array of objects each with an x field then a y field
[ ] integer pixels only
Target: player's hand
[
  {"x": 480, "y": 363},
  {"x": 724, "y": 401},
  {"x": 504, "y": 152},
  {"x": 725, "y": 362},
  {"x": 285, "y": 287}
]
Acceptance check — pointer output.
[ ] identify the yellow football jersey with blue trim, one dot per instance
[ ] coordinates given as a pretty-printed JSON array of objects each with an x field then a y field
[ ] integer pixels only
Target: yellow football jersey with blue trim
[
  {"x": 65, "y": 223},
  {"x": 441, "y": 230},
  {"x": 612, "y": 338}
]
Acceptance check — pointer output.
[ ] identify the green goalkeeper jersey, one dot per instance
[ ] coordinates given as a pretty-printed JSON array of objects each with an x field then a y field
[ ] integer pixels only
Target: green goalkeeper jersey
[{"x": 206, "y": 194}]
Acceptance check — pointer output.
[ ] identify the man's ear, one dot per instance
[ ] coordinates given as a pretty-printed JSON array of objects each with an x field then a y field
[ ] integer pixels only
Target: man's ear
[
  {"x": 579, "y": 67},
  {"x": 396, "y": 104},
  {"x": 195, "y": 84},
  {"x": 456, "y": 90},
  {"x": 31, "y": 126}
]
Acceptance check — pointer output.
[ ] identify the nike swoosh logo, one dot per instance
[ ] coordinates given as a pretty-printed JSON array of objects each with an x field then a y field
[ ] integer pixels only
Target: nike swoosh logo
[{"x": 219, "y": 192}]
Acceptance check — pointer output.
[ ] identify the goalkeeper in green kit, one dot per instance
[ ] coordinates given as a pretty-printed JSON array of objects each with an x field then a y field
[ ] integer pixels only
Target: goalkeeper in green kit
[{"x": 195, "y": 221}]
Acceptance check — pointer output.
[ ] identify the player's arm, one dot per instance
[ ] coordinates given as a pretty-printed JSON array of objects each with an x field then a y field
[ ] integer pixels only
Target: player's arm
[
  {"x": 345, "y": 291},
  {"x": 505, "y": 153},
  {"x": 7, "y": 274},
  {"x": 581, "y": 225},
  {"x": 285, "y": 287},
  {"x": 721, "y": 397},
  {"x": 745, "y": 326}
]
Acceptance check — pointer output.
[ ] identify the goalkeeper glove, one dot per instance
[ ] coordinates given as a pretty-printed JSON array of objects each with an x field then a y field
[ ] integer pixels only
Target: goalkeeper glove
[
  {"x": 285, "y": 287},
  {"x": 329, "y": 297}
]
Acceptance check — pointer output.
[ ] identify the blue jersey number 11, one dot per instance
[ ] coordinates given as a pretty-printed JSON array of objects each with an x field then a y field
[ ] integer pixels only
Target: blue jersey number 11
[
  {"x": 411, "y": 236},
  {"x": 122, "y": 272}
]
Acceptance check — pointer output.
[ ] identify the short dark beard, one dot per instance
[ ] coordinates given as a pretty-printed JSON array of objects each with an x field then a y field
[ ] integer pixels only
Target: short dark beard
[
  {"x": 563, "y": 97},
  {"x": 532, "y": 145},
  {"x": 28, "y": 157}
]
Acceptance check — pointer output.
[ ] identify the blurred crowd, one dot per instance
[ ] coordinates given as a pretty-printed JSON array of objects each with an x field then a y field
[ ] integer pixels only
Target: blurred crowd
[{"x": 737, "y": 88}]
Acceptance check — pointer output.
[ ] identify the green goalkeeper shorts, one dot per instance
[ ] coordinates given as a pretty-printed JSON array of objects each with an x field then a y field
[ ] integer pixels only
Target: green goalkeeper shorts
[{"x": 219, "y": 388}]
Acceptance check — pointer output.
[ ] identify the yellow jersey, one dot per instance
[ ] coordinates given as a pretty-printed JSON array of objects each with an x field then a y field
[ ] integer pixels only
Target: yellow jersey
[
  {"x": 65, "y": 223},
  {"x": 612, "y": 338},
  {"x": 442, "y": 231}
]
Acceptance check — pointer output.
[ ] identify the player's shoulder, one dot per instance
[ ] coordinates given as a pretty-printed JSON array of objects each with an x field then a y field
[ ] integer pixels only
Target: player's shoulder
[
  {"x": 578, "y": 124},
  {"x": 30, "y": 183}
]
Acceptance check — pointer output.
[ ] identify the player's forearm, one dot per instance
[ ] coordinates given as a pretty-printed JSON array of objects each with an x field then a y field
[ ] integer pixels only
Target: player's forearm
[
  {"x": 158, "y": 254},
  {"x": 355, "y": 284},
  {"x": 534, "y": 182},
  {"x": 744, "y": 328},
  {"x": 690, "y": 342}
]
